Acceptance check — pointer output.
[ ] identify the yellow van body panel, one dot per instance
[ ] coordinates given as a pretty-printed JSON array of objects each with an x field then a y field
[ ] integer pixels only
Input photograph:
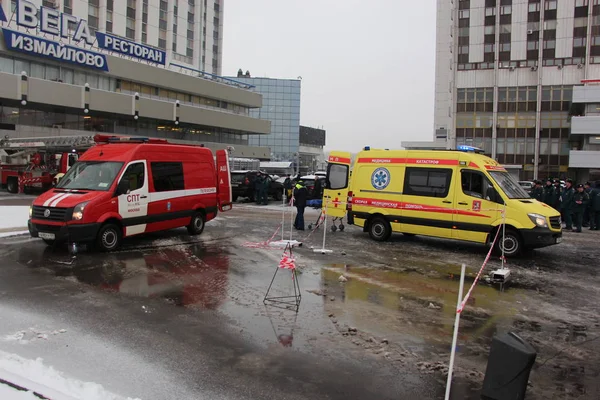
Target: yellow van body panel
[{"x": 446, "y": 194}]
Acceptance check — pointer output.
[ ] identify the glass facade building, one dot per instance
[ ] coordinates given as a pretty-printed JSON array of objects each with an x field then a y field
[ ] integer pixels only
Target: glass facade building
[{"x": 281, "y": 106}]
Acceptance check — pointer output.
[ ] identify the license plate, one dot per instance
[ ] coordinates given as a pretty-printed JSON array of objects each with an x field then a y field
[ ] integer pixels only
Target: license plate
[
  {"x": 558, "y": 240},
  {"x": 48, "y": 236},
  {"x": 235, "y": 184}
]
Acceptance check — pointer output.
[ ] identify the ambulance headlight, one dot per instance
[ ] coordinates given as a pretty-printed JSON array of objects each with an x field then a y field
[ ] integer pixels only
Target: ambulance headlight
[
  {"x": 539, "y": 220},
  {"x": 78, "y": 211}
]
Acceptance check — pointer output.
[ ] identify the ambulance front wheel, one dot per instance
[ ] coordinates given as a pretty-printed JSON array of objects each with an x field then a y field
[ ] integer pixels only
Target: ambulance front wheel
[
  {"x": 379, "y": 229},
  {"x": 109, "y": 237},
  {"x": 512, "y": 243},
  {"x": 196, "y": 226}
]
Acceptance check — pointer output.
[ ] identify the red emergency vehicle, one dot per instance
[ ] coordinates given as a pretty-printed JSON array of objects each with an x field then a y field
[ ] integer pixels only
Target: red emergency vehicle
[
  {"x": 30, "y": 164},
  {"x": 127, "y": 186}
]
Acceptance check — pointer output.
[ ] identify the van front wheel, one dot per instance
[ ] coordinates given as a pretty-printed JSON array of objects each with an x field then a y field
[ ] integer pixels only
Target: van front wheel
[
  {"x": 196, "y": 226},
  {"x": 379, "y": 229},
  {"x": 109, "y": 237},
  {"x": 512, "y": 243}
]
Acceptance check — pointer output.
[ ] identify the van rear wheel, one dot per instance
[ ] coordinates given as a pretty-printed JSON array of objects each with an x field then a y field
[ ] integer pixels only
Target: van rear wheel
[
  {"x": 512, "y": 243},
  {"x": 12, "y": 185},
  {"x": 196, "y": 226},
  {"x": 109, "y": 237},
  {"x": 379, "y": 229}
]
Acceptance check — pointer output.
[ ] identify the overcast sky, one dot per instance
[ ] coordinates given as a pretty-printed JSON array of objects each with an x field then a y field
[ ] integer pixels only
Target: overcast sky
[{"x": 367, "y": 67}]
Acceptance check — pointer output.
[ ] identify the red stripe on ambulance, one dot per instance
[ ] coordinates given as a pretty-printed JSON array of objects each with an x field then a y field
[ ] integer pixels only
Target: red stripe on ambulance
[
  {"x": 413, "y": 161},
  {"x": 343, "y": 160},
  {"x": 399, "y": 205}
]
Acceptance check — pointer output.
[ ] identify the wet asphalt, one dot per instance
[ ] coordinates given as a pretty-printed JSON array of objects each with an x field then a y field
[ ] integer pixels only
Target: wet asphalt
[{"x": 173, "y": 316}]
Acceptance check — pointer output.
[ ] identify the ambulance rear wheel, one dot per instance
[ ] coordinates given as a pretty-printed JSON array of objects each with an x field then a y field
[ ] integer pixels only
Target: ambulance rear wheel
[
  {"x": 196, "y": 226},
  {"x": 109, "y": 237},
  {"x": 379, "y": 229},
  {"x": 512, "y": 243}
]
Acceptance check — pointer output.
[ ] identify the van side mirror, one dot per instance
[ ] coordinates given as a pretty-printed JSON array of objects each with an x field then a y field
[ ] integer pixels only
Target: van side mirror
[{"x": 123, "y": 187}]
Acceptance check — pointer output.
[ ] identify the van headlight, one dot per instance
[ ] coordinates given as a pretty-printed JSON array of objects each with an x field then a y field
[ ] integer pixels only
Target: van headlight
[
  {"x": 30, "y": 211},
  {"x": 78, "y": 211},
  {"x": 539, "y": 220}
]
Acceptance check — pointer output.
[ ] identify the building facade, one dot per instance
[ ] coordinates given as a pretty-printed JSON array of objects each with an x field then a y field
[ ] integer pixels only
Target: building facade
[
  {"x": 505, "y": 76},
  {"x": 585, "y": 130},
  {"x": 312, "y": 142},
  {"x": 189, "y": 31},
  {"x": 61, "y": 81},
  {"x": 281, "y": 106}
]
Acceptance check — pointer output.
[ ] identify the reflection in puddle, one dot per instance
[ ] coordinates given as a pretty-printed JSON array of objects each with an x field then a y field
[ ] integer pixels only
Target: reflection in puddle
[
  {"x": 417, "y": 304},
  {"x": 184, "y": 275}
]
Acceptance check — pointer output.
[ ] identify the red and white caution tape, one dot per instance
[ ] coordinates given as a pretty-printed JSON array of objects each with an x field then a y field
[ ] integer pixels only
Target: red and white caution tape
[
  {"x": 261, "y": 245},
  {"x": 487, "y": 258}
]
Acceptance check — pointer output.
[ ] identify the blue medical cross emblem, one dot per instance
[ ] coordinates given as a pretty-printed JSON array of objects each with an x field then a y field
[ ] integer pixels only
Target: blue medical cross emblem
[{"x": 380, "y": 178}]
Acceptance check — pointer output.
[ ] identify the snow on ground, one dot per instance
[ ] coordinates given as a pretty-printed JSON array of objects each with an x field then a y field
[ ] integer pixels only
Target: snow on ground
[
  {"x": 45, "y": 380},
  {"x": 9, "y": 393},
  {"x": 13, "y": 217}
]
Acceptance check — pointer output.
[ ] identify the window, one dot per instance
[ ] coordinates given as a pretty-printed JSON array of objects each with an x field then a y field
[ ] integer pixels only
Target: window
[
  {"x": 550, "y": 5},
  {"x": 427, "y": 182},
  {"x": 504, "y": 10},
  {"x": 135, "y": 174},
  {"x": 91, "y": 175},
  {"x": 490, "y": 11},
  {"x": 167, "y": 176},
  {"x": 463, "y": 14},
  {"x": 579, "y": 42},
  {"x": 337, "y": 175},
  {"x": 474, "y": 184},
  {"x": 490, "y": 30},
  {"x": 534, "y": 7}
]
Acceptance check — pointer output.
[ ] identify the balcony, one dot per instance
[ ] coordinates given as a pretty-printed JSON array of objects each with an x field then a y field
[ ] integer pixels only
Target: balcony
[
  {"x": 586, "y": 94},
  {"x": 587, "y": 125},
  {"x": 584, "y": 159}
]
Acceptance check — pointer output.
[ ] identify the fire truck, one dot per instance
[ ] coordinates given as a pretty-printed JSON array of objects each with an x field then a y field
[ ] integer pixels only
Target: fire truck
[{"x": 30, "y": 164}]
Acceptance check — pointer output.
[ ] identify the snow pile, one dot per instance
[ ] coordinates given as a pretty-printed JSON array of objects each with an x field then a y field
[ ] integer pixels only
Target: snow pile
[
  {"x": 45, "y": 380},
  {"x": 13, "y": 217},
  {"x": 9, "y": 393}
]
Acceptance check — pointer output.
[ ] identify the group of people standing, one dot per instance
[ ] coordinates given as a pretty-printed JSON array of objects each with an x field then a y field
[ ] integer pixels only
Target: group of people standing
[{"x": 579, "y": 205}]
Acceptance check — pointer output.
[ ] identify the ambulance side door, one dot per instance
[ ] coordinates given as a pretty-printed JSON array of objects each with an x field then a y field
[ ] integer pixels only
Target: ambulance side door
[
  {"x": 427, "y": 200},
  {"x": 335, "y": 193},
  {"x": 475, "y": 209}
]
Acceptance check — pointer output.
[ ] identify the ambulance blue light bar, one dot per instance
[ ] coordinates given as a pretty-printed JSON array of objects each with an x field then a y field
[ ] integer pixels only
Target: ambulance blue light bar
[
  {"x": 367, "y": 148},
  {"x": 469, "y": 149}
]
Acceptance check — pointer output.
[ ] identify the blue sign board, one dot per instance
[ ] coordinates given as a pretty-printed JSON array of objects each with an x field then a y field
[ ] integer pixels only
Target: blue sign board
[
  {"x": 18, "y": 41},
  {"x": 129, "y": 48},
  {"x": 2, "y": 15}
]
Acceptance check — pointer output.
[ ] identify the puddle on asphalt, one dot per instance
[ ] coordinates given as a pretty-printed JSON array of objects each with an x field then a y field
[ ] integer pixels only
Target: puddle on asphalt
[
  {"x": 185, "y": 275},
  {"x": 420, "y": 305}
]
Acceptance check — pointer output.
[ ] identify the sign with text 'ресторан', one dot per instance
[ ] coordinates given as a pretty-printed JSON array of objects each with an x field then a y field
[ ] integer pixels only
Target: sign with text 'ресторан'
[{"x": 129, "y": 48}]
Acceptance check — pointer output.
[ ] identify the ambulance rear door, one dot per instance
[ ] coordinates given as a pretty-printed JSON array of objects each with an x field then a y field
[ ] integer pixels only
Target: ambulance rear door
[{"x": 335, "y": 194}]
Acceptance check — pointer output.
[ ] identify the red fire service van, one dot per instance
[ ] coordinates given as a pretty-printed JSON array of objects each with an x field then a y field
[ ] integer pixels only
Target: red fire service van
[{"x": 127, "y": 186}]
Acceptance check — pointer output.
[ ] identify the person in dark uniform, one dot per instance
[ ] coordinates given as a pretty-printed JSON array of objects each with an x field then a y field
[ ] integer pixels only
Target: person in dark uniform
[
  {"x": 287, "y": 185},
  {"x": 549, "y": 193},
  {"x": 300, "y": 196},
  {"x": 266, "y": 185},
  {"x": 580, "y": 202},
  {"x": 587, "y": 187},
  {"x": 595, "y": 209},
  {"x": 558, "y": 190},
  {"x": 566, "y": 203},
  {"x": 258, "y": 187},
  {"x": 537, "y": 192}
]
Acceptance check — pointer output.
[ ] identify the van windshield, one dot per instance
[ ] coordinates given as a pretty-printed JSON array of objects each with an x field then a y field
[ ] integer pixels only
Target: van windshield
[
  {"x": 509, "y": 185},
  {"x": 90, "y": 175}
]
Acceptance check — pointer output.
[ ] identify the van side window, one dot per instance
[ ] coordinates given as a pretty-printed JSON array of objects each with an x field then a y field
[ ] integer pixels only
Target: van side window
[
  {"x": 135, "y": 175},
  {"x": 337, "y": 176},
  {"x": 428, "y": 182},
  {"x": 474, "y": 184},
  {"x": 167, "y": 176}
]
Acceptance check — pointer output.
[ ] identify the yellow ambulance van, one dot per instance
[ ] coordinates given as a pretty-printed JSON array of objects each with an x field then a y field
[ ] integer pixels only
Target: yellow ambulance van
[{"x": 447, "y": 194}]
